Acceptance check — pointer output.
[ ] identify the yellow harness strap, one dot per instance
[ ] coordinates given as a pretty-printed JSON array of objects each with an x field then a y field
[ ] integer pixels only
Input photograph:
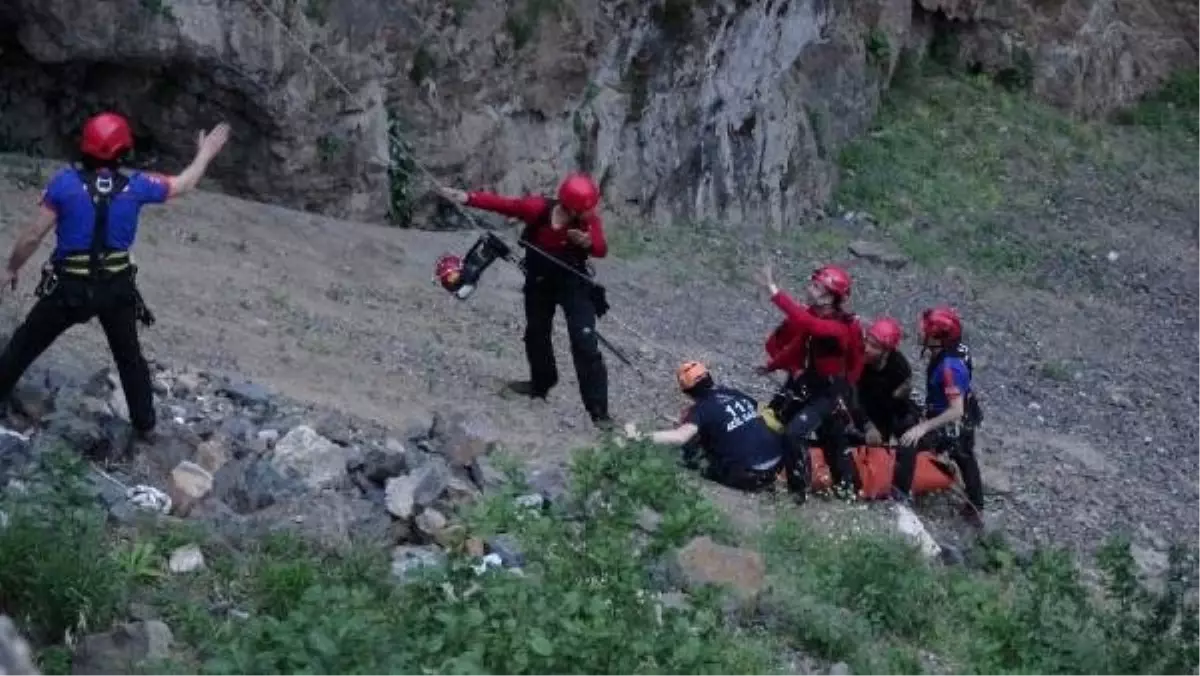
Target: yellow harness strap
[{"x": 77, "y": 264}]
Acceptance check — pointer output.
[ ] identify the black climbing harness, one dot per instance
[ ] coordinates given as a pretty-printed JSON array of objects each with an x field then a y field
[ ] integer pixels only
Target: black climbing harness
[{"x": 99, "y": 262}]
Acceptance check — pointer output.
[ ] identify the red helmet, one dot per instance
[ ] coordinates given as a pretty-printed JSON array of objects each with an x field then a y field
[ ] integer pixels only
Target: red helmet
[
  {"x": 887, "y": 332},
  {"x": 447, "y": 271},
  {"x": 941, "y": 324},
  {"x": 578, "y": 192},
  {"x": 106, "y": 136},
  {"x": 834, "y": 280}
]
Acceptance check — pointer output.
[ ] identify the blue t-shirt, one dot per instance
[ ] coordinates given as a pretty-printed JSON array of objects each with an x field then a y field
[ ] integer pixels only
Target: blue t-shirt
[
  {"x": 732, "y": 429},
  {"x": 67, "y": 195},
  {"x": 949, "y": 376}
]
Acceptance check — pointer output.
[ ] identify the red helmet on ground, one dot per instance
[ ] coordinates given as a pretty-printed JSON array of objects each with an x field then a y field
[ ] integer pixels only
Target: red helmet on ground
[
  {"x": 578, "y": 192},
  {"x": 106, "y": 136},
  {"x": 834, "y": 280},
  {"x": 887, "y": 332},
  {"x": 447, "y": 271},
  {"x": 941, "y": 324}
]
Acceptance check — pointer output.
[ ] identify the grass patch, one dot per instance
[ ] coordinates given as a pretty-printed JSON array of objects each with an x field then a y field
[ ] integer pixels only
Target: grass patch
[
  {"x": 585, "y": 600},
  {"x": 874, "y": 603},
  {"x": 717, "y": 249},
  {"x": 1174, "y": 108},
  {"x": 584, "y": 603},
  {"x": 957, "y": 168},
  {"x": 939, "y": 165}
]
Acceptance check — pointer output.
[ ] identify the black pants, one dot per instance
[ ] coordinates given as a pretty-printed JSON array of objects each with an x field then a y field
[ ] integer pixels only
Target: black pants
[
  {"x": 820, "y": 414},
  {"x": 739, "y": 478},
  {"x": 75, "y": 301},
  {"x": 891, "y": 416},
  {"x": 543, "y": 295},
  {"x": 958, "y": 441}
]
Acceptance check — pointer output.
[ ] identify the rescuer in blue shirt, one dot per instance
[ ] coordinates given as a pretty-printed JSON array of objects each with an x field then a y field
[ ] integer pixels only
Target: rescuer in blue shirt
[{"x": 93, "y": 209}]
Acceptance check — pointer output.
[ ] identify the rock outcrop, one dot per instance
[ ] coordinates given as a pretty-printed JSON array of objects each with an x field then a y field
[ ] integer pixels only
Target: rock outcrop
[
  {"x": 717, "y": 109},
  {"x": 15, "y": 655},
  {"x": 176, "y": 66},
  {"x": 1087, "y": 56}
]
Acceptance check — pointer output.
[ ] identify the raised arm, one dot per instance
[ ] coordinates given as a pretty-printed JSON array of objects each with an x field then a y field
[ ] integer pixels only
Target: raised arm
[
  {"x": 528, "y": 209},
  {"x": 207, "y": 147}
]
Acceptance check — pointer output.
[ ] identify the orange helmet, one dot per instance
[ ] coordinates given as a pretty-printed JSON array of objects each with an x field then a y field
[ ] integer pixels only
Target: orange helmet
[{"x": 690, "y": 374}]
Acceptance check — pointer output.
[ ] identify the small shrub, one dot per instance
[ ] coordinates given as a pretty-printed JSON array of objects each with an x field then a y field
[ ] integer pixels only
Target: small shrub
[{"x": 56, "y": 573}]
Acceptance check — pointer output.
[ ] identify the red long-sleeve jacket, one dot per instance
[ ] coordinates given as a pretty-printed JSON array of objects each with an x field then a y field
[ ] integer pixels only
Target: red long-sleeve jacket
[
  {"x": 534, "y": 210},
  {"x": 829, "y": 346}
]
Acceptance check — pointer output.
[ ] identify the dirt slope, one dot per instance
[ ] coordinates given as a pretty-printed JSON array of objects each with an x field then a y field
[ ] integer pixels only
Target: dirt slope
[{"x": 344, "y": 315}]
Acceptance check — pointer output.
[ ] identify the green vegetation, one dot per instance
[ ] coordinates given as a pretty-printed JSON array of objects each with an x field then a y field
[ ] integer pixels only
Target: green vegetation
[
  {"x": 718, "y": 249},
  {"x": 584, "y": 602},
  {"x": 1175, "y": 108},
  {"x": 958, "y": 166},
  {"x": 402, "y": 173},
  {"x": 874, "y": 604},
  {"x": 524, "y": 17}
]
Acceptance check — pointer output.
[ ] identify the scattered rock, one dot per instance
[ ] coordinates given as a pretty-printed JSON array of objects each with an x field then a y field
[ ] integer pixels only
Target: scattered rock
[
  {"x": 431, "y": 522},
  {"x": 247, "y": 393},
  {"x": 461, "y": 491},
  {"x": 186, "y": 559},
  {"x": 507, "y": 548},
  {"x": 550, "y": 482},
  {"x": 407, "y": 559},
  {"x": 268, "y": 437},
  {"x": 212, "y": 455},
  {"x": 186, "y": 384},
  {"x": 840, "y": 669},
  {"x": 123, "y": 649},
  {"x": 190, "y": 483},
  {"x": 996, "y": 480},
  {"x": 251, "y": 485},
  {"x": 98, "y": 435},
  {"x": 467, "y": 438},
  {"x": 703, "y": 561},
  {"x": 649, "y": 520},
  {"x": 317, "y": 461},
  {"x": 474, "y": 547},
  {"x": 421, "y": 488},
  {"x": 381, "y": 465},
  {"x": 878, "y": 253},
  {"x": 15, "y": 654},
  {"x": 485, "y": 475},
  {"x": 329, "y": 518}
]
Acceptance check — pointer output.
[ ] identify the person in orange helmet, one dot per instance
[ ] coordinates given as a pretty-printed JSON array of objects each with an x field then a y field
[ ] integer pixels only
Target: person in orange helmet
[
  {"x": 93, "y": 210},
  {"x": 723, "y": 425},
  {"x": 564, "y": 232}
]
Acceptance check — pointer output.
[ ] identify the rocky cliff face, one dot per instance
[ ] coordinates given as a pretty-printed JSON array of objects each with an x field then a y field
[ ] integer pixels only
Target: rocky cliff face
[
  {"x": 686, "y": 109},
  {"x": 1088, "y": 56}
]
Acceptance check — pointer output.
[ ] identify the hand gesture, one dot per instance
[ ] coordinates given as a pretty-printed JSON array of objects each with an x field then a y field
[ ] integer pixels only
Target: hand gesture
[
  {"x": 9, "y": 280},
  {"x": 210, "y": 143},
  {"x": 452, "y": 194},
  {"x": 580, "y": 238},
  {"x": 767, "y": 278}
]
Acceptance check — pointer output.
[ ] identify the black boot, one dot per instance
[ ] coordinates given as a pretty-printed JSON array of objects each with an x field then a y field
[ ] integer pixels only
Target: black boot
[{"x": 525, "y": 388}]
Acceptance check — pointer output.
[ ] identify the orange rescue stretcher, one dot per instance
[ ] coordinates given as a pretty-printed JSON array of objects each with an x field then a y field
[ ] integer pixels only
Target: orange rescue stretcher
[{"x": 875, "y": 465}]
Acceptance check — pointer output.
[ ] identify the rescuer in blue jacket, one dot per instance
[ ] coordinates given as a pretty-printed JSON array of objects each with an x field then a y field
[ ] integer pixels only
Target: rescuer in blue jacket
[{"x": 93, "y": 208}]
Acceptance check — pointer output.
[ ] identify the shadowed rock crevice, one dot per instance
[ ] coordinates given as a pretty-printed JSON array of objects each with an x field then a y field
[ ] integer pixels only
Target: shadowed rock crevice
[{"x": 175, "y": 68}]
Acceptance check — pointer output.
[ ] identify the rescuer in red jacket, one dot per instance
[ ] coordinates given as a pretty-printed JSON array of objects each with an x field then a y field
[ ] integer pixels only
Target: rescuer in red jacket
[
  {"x": 821, "y": 347},
  {"x": 563, "y": 234}
]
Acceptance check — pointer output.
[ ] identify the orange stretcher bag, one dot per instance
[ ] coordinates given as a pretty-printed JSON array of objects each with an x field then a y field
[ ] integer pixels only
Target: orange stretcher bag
[{"x": 875, "y": 465}]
